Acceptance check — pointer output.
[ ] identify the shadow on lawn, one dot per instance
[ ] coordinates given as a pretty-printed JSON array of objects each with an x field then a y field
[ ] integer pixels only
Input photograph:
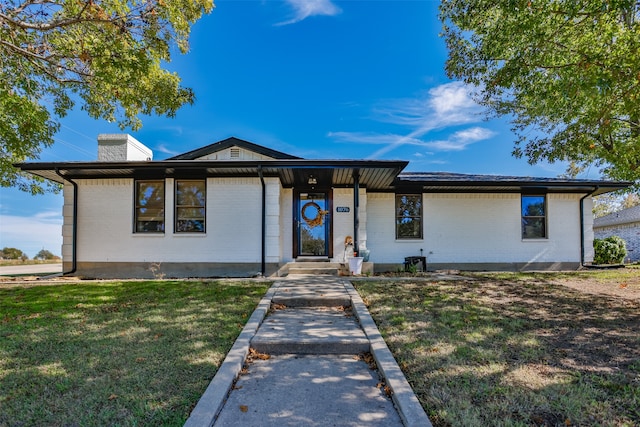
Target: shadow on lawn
[
  {"x": 499, "y": 352},
  {"x": 138, "y": 353}
]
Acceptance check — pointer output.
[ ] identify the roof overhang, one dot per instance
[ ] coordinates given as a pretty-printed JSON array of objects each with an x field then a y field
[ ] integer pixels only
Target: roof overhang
[
  {"x": 438, "y": 182},
  {"x": 372, "y": 174},
  {"x": 375, "y": 175}
]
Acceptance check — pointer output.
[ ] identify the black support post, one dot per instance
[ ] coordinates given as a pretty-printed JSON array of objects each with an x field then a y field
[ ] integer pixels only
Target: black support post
[{"x": 356, "y": 208}]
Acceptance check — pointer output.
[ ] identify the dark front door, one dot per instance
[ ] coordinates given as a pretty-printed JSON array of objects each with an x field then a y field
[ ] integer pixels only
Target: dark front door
[{"x": 312, "y": 224}]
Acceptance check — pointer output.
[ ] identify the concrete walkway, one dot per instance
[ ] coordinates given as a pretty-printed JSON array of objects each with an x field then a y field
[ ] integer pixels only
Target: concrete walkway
[
  {"x": 310, "y": 355},
  {"x": 35, "y": 269}
]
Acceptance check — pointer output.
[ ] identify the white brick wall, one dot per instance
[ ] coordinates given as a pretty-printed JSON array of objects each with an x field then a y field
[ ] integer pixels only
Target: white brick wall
[
  {"x": 273, "y": 229},
  {"x": 233, "y": 227},
  {"x": 475, "y": 228},
  {"x": 286, "y": 225},
  {"x": 343, "y": 221},
  {"x": 67, "y": 225},
  {"x": 472, "y": 228},
  {"x": 121, "y": 147}
]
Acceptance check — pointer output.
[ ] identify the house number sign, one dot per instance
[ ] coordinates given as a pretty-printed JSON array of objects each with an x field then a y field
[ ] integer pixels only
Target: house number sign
[{"x": 342, "y": 208}]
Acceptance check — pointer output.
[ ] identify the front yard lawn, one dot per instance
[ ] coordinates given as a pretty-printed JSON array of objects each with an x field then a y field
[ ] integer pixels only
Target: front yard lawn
[
  {"x": 516, "y": 349},
  {"x": 115, "y": 353}
]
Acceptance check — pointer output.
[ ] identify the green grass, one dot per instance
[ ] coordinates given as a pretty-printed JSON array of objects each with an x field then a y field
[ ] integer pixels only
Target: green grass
[
  {"x": 513, "y": 349},
  {"x": 115, "y": 353}
]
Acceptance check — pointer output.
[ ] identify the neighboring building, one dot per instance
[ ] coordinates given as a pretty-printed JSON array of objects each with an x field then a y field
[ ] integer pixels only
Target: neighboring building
[
  {"x": 235, "y": 208},
  {"x": 624, "y": 224}
]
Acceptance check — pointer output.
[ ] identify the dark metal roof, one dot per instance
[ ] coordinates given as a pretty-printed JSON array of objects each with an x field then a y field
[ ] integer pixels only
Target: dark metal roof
[
  {"x": 232, "y": 142},
  {"x": 457, "y": 182},
  {"x": 625, "y": 216},
  {"x": 373, "y": 174}
]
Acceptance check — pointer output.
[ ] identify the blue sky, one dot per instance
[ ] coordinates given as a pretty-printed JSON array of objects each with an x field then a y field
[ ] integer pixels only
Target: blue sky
[{"x": 317, "y": 79}]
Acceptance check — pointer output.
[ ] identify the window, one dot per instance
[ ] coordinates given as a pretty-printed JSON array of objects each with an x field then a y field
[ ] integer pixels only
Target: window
[
  {"x": 408, "y": 216},
  {"x": 190, "y": 206},
  {"x": 149, "y": 211},
  {"x": 534, "y": 217}
]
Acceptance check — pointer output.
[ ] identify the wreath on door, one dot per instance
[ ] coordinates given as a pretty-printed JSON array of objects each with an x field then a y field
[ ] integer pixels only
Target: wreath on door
[{"x": 317, "y": 219}]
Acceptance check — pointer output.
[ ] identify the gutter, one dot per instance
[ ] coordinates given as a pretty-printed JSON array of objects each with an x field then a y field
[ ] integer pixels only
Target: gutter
[
  {"x": 596, "y": 188},
  {"x": 264, "y": 222},
  {"x": 74, "y": 236}
]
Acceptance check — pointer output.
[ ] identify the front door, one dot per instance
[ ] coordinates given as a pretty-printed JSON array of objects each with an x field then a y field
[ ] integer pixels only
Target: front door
[{"x": 313, "y": 224}]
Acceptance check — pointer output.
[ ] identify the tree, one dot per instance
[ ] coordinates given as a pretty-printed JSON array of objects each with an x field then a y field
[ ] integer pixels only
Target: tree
[
  {"x": 107, "y": 55},
  {"x": 605, "y": 204},
  {"x": 45, "y": 255},
  {"x": 567, "y": 74},
  {"x": 630, "y": 200},
  {"x": 13, "y": 253}
]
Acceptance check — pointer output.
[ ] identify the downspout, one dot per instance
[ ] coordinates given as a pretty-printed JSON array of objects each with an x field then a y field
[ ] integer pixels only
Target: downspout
[
  {"x": 582, "y": 224},
  {"x": 74, "y": 227},
  {"x": 264, "y": 222},
  {"x": 356, "y": 208}
]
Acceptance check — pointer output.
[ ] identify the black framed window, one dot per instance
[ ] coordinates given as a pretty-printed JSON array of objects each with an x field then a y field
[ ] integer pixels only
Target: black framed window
[
  {"x": 534, "y": 216},
  {"x": 149, "y": 207},
  {"x": 408, "y": 216},
  {"x": 190, "y": 199}
]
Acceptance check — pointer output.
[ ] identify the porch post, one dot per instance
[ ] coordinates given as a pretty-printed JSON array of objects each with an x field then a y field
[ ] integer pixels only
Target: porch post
[{"x": 356, "y": 208}]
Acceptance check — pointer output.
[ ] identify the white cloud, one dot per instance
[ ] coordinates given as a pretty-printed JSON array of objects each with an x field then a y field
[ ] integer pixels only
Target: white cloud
[
  {"x": 459, "y": 140},
  {"x": 303, "y": 9},
  {"x": 371, "y": 138},
  {"x": 444, "y": 106},
  {"x": 165, "y": 150},
  {"x": 30, "y": 234}
]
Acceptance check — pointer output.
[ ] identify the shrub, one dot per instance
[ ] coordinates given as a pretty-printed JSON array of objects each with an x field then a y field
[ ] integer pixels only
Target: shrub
[{"x": 611, "y": 250}]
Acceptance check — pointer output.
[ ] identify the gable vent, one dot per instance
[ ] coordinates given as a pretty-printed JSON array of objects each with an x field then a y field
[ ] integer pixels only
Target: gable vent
[{"x": 235, "y": 153}]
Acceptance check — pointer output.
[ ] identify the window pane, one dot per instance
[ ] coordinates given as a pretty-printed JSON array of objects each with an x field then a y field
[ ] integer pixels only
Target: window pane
[
  {"x": 534, "y": 221},
  {"x": 190, "y": 225},
  {"x": 409, "y": 227},
  {"x": 409, "y": 205},
  {"x": 409, "y": 216},
  {"x": 533, "y": 206},
  {"x": 190, "y": 193},
  {"x": 533, "y": 228},
  {"x": 149, "y": 210},
  {"x": 190, "y": 206}
]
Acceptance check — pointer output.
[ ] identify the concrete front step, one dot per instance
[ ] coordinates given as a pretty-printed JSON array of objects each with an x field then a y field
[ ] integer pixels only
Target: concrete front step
[
  {"x": 314, "y": 268},
  {"x": 310, "y": 331},
  {"x": 313, "y": 271},
  {"x": 321, "y": 293}
]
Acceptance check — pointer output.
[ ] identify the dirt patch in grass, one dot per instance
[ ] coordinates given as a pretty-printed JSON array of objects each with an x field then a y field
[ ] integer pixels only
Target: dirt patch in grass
[
  {"x": 516, "y": 349},
  {"x": 622, "y": 283}
]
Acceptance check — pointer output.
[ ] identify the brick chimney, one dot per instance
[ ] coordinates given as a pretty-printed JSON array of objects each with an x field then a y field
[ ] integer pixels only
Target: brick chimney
[{"x": 121, "y": 147}]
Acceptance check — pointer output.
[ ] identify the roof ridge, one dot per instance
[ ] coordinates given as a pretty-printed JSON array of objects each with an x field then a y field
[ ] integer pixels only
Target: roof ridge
[{"x": 229, "y": 142}]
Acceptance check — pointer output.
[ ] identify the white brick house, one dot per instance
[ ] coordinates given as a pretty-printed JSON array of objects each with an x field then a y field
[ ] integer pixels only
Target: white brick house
[
  {"x": 235, "y": 208},
  {"x": 624, "y": 224}
]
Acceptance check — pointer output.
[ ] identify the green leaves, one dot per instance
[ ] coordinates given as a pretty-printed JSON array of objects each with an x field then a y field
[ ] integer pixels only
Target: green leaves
[
  {"x": 567, "y": 73},
  {"x": 107, "y": 55}
]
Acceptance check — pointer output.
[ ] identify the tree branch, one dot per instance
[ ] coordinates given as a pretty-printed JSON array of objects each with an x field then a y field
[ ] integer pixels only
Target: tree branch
[{"x": 57, "y": 64}]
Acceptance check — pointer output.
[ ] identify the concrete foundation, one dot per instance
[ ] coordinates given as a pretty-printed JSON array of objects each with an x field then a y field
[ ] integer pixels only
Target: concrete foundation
[{"x": 167, "y": 270}]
